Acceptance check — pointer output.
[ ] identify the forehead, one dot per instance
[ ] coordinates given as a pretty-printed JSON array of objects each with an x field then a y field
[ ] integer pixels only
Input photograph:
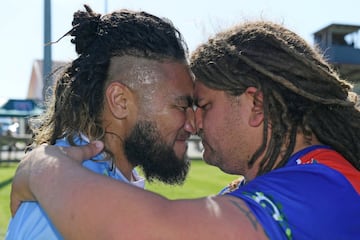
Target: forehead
[
  {"x": 139, "y": 73},
  {"x": 175, "y": 79},
  {"x": 175, "y": 87},
  {"x": 204, "y": 94},
  {"x": 200, "y": 90}
]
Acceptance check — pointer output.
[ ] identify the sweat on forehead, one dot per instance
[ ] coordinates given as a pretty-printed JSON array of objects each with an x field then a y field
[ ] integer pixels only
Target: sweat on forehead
[{"x": 134, "y": 72}]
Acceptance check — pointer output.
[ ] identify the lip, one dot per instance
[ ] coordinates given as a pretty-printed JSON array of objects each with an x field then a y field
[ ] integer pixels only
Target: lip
[
  {"x": 181, "y": 145},
  {"x": 182, "y": 138}
]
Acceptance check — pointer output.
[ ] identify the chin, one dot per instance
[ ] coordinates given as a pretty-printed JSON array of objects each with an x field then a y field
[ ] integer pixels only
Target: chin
[
  {"x": 211, "y": 158},
  {"x": 208, "y": 160}
]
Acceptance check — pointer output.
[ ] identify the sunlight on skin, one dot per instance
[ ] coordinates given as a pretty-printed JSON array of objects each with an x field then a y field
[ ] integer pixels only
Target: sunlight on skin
[{"x": 213, "y": 206}]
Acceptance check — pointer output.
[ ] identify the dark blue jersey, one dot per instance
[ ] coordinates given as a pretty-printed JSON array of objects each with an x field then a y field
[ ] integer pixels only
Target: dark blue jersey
[{"x": 315, "y": 196}]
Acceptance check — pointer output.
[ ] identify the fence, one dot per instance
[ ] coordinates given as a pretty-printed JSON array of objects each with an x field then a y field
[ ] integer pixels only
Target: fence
[{"x": 12, "y": 147}]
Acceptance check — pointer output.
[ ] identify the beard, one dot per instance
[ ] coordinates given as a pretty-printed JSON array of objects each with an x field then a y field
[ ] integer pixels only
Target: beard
[{"x": 146, "y": 148}]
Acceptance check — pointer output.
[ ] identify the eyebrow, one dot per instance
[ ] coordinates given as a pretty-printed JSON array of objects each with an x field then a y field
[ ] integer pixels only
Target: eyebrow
[{"x": 185, "y": 99}]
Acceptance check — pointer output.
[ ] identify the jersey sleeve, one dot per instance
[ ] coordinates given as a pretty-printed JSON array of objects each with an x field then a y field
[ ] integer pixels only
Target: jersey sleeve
[{"x": 304, "y": 202}]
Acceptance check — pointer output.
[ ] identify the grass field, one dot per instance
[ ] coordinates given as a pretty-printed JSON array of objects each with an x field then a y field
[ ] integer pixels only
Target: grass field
[
  {"x": 6, "y": 173},
  {"x": 203, "y": 180}
]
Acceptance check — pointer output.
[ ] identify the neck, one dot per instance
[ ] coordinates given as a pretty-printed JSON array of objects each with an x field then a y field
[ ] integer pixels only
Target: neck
[
  {"x": 301, "y": 142},
  {"x": 304, "y": 142},
  {"x": 115, "y": 145}
]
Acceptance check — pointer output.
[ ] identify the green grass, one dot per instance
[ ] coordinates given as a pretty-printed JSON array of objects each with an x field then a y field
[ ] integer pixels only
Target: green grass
[
  {"x": 203, "y": 180},
  {"x": 7, "y": 171}
]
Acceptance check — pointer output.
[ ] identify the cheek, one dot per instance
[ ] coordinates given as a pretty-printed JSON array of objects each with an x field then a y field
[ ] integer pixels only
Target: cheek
[
  {"x": 221, "y": 128},
  {"x": 169, "y": 124},
  {"x": 213, "y": 121}
]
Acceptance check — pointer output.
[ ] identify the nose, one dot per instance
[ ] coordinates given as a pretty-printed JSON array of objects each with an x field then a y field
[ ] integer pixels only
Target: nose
[
  {"x": 198, "y": 119},
  {"x": 190, "y": 121}
]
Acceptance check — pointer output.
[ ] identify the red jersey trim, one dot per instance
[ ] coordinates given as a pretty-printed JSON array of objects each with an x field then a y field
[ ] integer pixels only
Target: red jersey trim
[{"x": 335, "y": 161}]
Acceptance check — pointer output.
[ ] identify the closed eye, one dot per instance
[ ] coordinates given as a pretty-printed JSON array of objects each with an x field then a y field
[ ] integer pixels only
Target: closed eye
[
  {"x": 204, "y": 106},
  {"x": 184, "y": 102},
  {"x": 184, "y": 108}
]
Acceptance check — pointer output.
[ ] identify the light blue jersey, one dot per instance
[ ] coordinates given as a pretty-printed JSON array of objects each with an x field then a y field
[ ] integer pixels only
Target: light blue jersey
[{"x": 31, "y": 221}]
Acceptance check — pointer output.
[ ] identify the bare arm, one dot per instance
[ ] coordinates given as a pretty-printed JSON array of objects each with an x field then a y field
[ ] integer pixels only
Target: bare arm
[{"x": 84, "y": 205}]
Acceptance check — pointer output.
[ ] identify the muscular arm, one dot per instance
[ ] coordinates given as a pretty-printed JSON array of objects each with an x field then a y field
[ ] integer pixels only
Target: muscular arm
[{"x": 84, "y": 205}]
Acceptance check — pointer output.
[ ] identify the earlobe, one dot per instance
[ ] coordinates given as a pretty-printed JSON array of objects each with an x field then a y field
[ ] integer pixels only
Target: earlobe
[
  {"x": 116, "y": 97},
  {"x": 257, "y": 111}
]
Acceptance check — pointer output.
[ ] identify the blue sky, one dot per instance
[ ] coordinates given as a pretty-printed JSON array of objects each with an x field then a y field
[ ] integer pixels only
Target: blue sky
[{"x": 22, "y": 25}]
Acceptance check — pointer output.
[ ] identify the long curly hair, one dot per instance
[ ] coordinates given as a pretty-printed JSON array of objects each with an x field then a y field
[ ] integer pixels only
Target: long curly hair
[
  {"x": 77, "y": 102},
  {"x": 301, "y": 91}
]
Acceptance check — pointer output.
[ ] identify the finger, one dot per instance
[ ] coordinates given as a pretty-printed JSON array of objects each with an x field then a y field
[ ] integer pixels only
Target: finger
[
  {"x": 81, "y": 153},
  {"x": 14, "y": 205},
  {"x": 19, "y": 185}
]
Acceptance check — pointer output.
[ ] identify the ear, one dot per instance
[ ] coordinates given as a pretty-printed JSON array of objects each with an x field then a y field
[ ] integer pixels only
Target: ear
[
  {"x": 117, "y": 99},
  {"x": 257, "y": 110}
]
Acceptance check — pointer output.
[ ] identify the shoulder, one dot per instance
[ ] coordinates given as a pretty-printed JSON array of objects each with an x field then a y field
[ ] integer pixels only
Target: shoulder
[{"x": 281, "y": 196}]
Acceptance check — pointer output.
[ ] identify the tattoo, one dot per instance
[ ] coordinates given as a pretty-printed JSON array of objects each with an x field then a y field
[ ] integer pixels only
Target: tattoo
[{"x": 247, "y": 213}]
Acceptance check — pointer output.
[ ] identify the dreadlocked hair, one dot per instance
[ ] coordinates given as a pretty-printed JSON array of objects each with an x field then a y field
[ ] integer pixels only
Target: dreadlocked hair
[
  {"x": 301, "y": 91},
  {"x": 77, "y": 102}
]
